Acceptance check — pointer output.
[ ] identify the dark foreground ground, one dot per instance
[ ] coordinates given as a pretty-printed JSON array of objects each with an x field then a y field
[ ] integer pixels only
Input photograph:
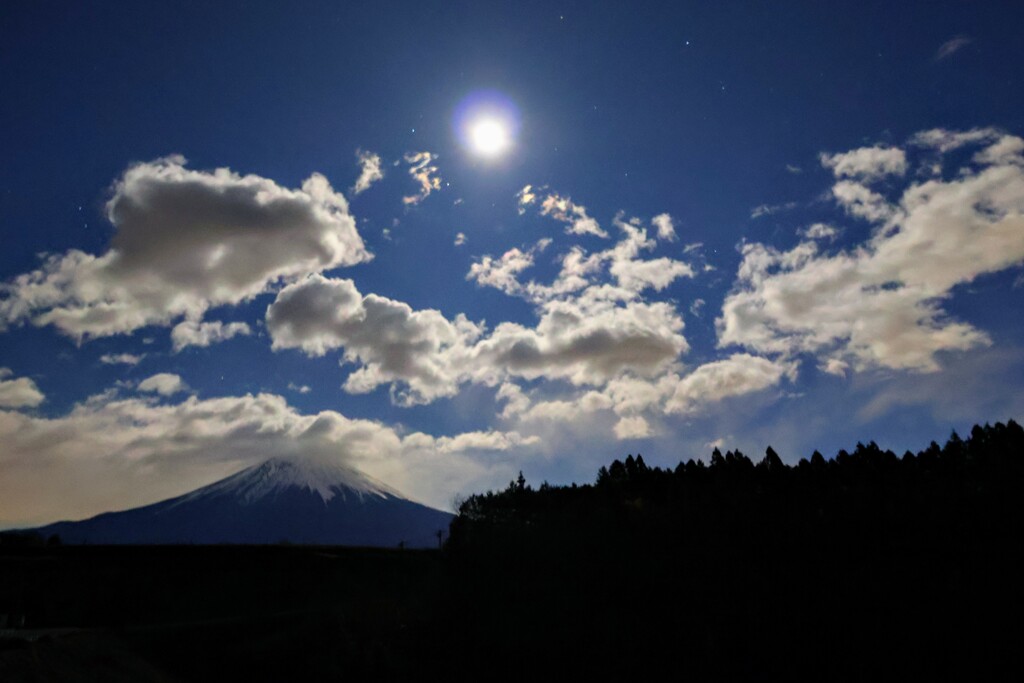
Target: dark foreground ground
[
  {"x": 301, "y": 613},
  {"x": 866, "y": 567},
  {"x": 195, "y": 613}
]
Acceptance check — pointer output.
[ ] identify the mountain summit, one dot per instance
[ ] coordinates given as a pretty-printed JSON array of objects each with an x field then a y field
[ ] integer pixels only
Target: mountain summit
[{"x": 309, "y": 501}]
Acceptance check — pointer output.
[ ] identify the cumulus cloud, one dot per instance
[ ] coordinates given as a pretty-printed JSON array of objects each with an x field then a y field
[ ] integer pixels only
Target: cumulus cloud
[
  {"x": 587, "y": 341},
  {"x": 163, "y": 383},
  {"x": 879, "y": 304},
  {"x": 185, "y": 241},
  {"x": 867, "y": 164},
  {"x": 588, "y": 330},
  {"x": 666, "y": 231},
  {"x": 370, "y": 171},
  {"x": 425, "y": 173},
  {"x": 460, "y": 239},
  {"x": 734, "y": 376},
  {"x": 195, "y": 333},
  {"x": 633, "y": 427},
  {"x": 20, "y": 392},
  {"x": 121, "y": 358},
  {"x": 112, "y": 453},
  {"x": 387, "y": 339}
]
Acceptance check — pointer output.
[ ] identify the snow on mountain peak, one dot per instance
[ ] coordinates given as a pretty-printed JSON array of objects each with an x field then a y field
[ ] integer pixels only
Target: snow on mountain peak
[{"x": 324, "y": 477}]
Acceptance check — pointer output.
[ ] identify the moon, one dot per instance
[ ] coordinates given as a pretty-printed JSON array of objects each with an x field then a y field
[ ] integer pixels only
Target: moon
[
  {"x": 486, "y": 124},
  {"x": 489, "y": 137}
]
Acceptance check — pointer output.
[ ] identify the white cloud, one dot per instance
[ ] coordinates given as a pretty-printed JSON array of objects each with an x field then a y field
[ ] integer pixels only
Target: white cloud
[
  {"x": 834, "y": 366},
  {"x": 195, "y": 333},
  {"x": 460, "y": 239},
  {"x": 633, "y": 427},
  {"x": 501, "y": 273},
  {"x": 943, "y": 140},
  {"x": 370, "y": 171},
  {"x": 589, "y": 340},
  {"x": 483, "y": 441},
  {"x": 879, "y": 303},
  {"x": 867, "y": 164},
  {"x": 734, "y": 376},
  {"x": 112, "y": 453},
  {"x": 163, "y": 383},
  {"x": 425, "y": 173},
  {"x": 20, "y": 392},
  {"x": 639, "y": 400},
  {"x": 581, "y": 274},
  {"x": 586, "y": 339},
  {"x": 862, "y": 202},
  {"x": 635, "y": 274},
  {"x": 300, "y": 388},
  {"x": 185, "y": 241},
  {"x": 525, "y": 197},
  {"x": 1009, "y": 149},
  {"x": 564, "y": 411},
  {"x": 387, "y": 339},
  {"x": 562, "y": 209},
  {"x": 516, "y": 402},
  {"x": 121, "y": 358},
  {"x": 820, "y": 231},
  {"x": 666, "y": 231}
]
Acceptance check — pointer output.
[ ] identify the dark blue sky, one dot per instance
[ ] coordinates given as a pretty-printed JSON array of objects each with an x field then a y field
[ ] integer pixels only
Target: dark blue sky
[{"x": 897, "y": 319}]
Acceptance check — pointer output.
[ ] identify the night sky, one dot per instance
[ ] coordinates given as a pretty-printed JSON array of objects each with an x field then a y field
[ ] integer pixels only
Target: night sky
[{"x": 449, "y": 242}]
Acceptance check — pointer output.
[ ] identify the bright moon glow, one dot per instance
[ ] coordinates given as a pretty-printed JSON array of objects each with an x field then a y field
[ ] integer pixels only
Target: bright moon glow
[
  {"x": 488, "y": 137},
  {"x": 486, "y": 124}
]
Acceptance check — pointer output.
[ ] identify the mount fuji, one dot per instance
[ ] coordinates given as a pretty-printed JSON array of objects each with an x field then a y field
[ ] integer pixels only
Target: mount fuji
[{"x": 303, "y": 501}]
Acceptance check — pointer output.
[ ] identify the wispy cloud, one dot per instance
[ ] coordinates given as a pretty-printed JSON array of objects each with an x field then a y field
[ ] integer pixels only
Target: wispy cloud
[
  {"x": 948, "y": 48},
  {"x": 769, "y": 209},
  {"x": 121, "y": 358},
  {"x": 370, "y": 171},
  {"x": 425, "y": 173}
]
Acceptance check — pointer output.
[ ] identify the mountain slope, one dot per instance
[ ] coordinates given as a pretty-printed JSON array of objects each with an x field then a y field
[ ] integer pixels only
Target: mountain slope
[{"x": 280, "y": 500}]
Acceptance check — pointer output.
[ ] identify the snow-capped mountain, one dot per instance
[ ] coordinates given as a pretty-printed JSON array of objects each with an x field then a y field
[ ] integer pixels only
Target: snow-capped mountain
[{"x": 281, "y": 500}]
